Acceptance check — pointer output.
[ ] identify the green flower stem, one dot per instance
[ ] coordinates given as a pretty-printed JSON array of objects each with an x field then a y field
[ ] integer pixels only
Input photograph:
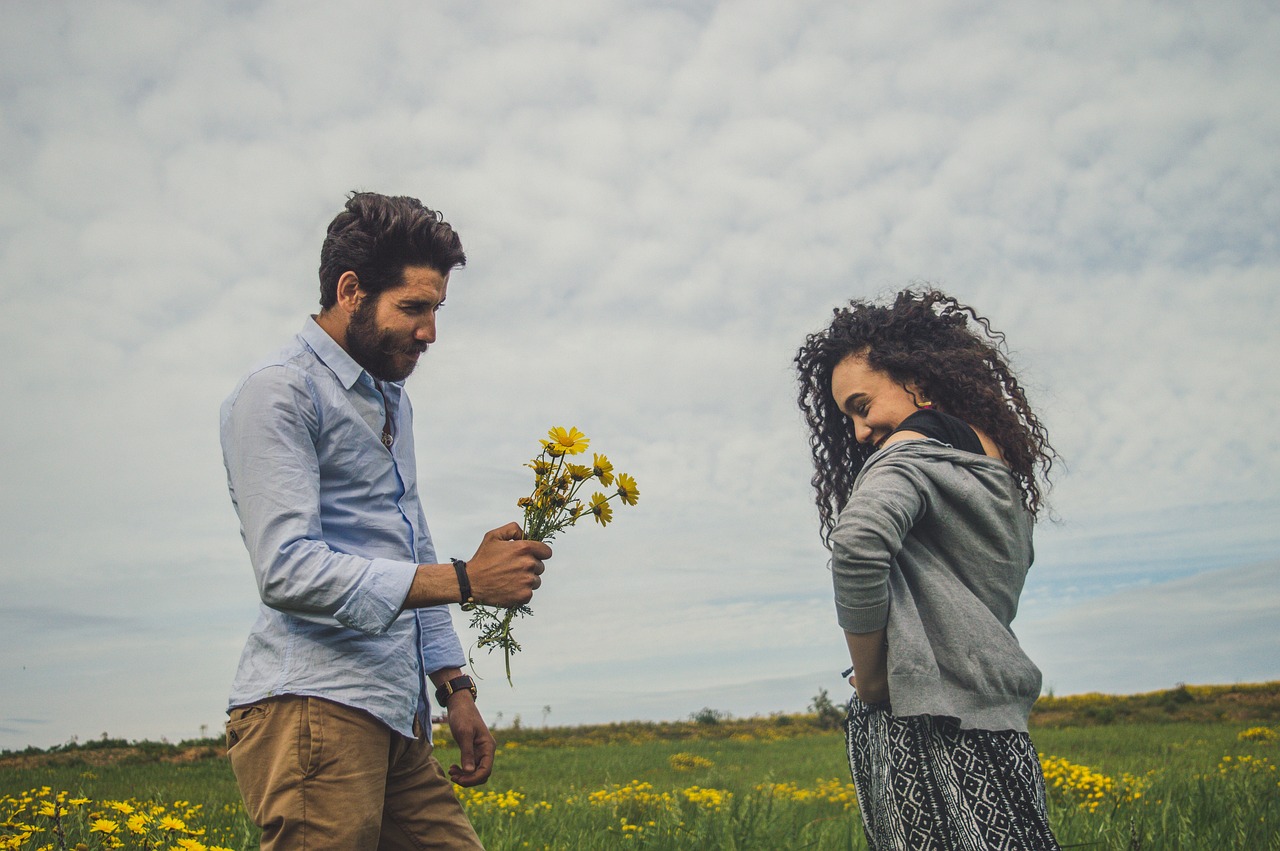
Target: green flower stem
[{"x": 552, "y": 507}]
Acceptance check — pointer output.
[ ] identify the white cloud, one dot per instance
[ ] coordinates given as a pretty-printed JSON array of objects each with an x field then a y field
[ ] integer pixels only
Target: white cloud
[
  {"x": 1217, "y": 627},
  {"x": 659, "y": 202}
]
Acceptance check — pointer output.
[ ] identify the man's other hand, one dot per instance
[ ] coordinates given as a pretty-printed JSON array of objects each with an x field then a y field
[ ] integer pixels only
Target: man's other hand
[{"x": 475, "y": 743}]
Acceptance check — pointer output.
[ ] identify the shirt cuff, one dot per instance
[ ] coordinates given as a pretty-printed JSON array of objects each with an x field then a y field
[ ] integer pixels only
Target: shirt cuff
[
  {"x": 440, "y": 645},
  {"x": 379, "y": 598},
  {"x": 862, "y": 618}
]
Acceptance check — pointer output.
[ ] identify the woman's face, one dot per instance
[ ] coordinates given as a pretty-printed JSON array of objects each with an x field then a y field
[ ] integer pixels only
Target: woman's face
[{"x": 875, "y": 402}]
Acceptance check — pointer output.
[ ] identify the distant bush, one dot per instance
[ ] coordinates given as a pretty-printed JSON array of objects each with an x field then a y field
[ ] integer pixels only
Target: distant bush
[
  {"x": 830, "y": 716},
  {"x": 1100, "y": 714},
  {"x": 707, "y": 715}
]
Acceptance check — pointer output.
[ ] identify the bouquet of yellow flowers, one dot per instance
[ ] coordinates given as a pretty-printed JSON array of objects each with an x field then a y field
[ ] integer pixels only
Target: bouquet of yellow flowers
[{"x": 554, "y": 505}]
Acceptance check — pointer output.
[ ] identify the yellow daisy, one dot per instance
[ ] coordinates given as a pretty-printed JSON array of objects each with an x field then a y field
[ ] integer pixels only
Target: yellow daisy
[
  {"x": 171, "y": 823},
  {"x": 568, "y": 441},
  {"x": 603, "y": 470},
  {"x": 578, "y": 472},
  {"x": 104, "y": 825},
  {"x": 627, "y": 489},
  {"x": 601, "y": 508}
]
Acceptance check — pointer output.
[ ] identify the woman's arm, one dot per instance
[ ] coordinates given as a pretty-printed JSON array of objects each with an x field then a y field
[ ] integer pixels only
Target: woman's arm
[{"x": 869, "y": 654}]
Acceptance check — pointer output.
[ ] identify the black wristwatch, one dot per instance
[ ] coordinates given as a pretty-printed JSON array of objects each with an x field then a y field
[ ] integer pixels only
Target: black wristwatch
[
  {"x": 464, "y": 585},
  {"x": 455, "y": 685}
]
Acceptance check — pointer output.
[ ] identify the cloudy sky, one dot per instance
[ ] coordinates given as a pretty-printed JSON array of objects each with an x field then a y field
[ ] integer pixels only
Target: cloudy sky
[{"x": 659, "y": 200}]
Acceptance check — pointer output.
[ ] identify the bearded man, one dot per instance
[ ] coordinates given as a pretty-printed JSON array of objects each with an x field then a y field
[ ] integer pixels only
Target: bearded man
[{"x": 329, "y": 729}]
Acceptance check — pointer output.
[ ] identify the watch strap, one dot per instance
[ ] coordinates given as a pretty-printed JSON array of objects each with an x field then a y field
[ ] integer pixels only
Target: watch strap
[
  {"x": 457, "y": 684},
  {"x": 464, "y": 584}
]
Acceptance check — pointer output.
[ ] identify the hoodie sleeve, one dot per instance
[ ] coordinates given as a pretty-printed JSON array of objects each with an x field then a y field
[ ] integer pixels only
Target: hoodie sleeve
[{"x": 868, "y": 535}]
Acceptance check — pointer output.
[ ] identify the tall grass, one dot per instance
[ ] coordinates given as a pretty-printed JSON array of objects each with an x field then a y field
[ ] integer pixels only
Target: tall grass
[{"x": 745, "y": 785}]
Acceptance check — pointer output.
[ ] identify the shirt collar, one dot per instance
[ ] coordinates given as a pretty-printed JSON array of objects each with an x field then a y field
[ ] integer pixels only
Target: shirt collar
[{"x": 331, "y": 354}]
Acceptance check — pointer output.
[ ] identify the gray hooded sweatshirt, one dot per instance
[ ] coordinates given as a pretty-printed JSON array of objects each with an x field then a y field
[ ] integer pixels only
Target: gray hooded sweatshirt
[{"x": 934, "y": 545}]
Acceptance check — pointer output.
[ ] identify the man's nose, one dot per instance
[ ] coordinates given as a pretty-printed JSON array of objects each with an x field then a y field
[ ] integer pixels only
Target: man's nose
[{"x": 426, "y": 330}]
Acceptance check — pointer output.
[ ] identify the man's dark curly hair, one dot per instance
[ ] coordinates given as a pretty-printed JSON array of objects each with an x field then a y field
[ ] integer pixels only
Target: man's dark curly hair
[
  {"x": 376, "y": 236},
  {"x": 951, "y": 354}
]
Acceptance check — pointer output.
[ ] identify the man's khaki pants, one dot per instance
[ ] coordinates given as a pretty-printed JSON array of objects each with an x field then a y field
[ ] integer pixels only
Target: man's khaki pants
[{"x": 319, "y": 775}]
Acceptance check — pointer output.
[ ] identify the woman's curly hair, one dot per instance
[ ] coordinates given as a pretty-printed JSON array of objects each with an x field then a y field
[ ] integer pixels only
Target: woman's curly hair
[{"x": 951, "y": 354}]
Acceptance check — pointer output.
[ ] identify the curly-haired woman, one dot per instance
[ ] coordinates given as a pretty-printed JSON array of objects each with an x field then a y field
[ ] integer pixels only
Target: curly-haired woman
[{"x": 928, "y": 470}]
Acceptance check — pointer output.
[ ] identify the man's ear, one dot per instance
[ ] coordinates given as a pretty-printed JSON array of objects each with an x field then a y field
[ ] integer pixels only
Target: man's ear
[{"x": 350, "y": 294}]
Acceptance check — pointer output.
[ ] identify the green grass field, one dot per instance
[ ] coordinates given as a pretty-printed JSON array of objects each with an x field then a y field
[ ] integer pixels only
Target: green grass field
[{"x": 778, "y": 783}]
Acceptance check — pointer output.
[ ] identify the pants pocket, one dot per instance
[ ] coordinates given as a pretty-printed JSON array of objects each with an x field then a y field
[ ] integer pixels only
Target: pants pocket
[{"x": 242, "y": 719}]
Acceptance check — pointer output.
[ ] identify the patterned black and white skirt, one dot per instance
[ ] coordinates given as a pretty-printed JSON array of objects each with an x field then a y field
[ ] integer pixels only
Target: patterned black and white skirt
[{"x": 924, "y": 784}]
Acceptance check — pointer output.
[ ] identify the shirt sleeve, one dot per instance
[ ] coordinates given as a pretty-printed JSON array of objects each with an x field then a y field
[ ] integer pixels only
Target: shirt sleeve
[
  {"x": 269, "y": 431},
  {"x": 867, "y": 536},
  {"x": 440, "y": 646}
]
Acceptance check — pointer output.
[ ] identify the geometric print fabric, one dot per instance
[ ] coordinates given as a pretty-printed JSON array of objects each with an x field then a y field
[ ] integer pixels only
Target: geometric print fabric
[{"x": 924, "y": 784}]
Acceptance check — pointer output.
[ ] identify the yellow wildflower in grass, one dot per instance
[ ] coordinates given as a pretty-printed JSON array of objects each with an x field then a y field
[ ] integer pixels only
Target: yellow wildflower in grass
[
  {"x": 510, "y": 803},
  {"x": 100, "y": 825},
  {"x": 837, "y": 792},
  {"x": 786, "y": 791},
  {"x": 710, "y": 799},
  {"x": 601, "y": 508},
  {"x": 553, "y": 506},
  {"x": 689, "y": 762},
  {"x": 1080, "y": 784},
  {"x": 1245, "y": 765},
  {"x": 627, "y": 490},
  {"x": 826, "y": 791},
  {"x": 1264, "y": 735},
  {"x": 1133, "y": 786},
  {"x": 636, "y": 792}
]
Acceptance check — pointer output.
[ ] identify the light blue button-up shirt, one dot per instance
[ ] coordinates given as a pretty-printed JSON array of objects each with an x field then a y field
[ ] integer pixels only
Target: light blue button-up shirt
[{"x": 335, "y": 532}]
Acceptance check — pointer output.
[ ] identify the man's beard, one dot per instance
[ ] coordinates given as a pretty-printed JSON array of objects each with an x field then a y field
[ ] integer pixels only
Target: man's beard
[{"x": 375, "y": 349}]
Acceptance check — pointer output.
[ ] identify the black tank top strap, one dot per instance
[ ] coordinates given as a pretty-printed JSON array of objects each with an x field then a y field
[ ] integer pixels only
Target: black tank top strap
[{"x": 943, "y": 428}]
